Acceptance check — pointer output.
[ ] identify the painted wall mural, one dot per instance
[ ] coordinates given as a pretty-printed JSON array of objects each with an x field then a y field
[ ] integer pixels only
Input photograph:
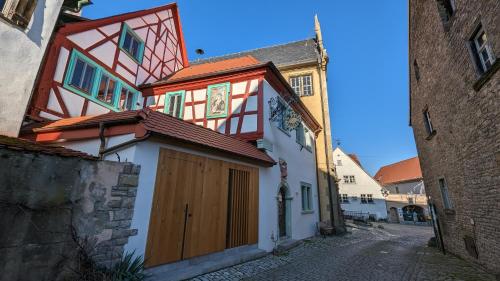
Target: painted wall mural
[{"x": 231, "y": 108}]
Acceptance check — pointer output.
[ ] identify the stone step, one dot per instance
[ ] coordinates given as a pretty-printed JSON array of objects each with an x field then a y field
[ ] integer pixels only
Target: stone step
[{"x": 204, "y": 264}]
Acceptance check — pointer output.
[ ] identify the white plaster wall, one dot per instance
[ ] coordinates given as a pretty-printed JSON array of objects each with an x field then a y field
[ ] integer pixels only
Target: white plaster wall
[
  {"x": 415, "y": 187},
  {"x": 365, "y": 184},
  {"x": 301, "y": 168},
  {"x": 22, "y": 52}
]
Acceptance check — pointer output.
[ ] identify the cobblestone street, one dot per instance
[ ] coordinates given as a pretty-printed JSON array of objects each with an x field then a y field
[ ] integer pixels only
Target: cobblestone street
[{"x": 396, "y": 252}]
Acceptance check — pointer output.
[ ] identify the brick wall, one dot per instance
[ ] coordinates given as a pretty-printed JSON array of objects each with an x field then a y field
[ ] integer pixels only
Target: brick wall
[
  {"x": 466, "y": 117},
  {"x": 47, "y": 201}
]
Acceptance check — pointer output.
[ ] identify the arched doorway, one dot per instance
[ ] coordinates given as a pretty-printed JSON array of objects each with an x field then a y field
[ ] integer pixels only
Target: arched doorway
[
  {"x": 413, "y": 213},
  {"x": 283, "y": 198},
  {"x": 393, "y": 214}
]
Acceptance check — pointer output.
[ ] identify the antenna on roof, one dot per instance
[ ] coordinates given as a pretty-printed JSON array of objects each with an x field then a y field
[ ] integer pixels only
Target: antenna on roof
[{"x": 337, "y": 141}]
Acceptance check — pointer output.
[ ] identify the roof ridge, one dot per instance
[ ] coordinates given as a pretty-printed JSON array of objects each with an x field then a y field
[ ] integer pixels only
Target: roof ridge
[
  {"x": 388, "y": 165},
  {"x": 251, "y": 50}
]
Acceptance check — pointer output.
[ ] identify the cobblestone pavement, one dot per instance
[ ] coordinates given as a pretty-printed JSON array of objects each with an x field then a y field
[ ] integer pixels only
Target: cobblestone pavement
[{"x": 396, "y": 252}]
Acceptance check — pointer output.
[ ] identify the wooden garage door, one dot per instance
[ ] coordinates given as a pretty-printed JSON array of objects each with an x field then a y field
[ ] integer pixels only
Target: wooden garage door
[{"x": 189, "y": 216}]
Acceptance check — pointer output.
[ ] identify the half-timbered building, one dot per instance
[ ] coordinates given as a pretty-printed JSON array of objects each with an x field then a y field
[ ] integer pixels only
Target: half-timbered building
[
  {"x": 226, "y": 148},
  {"x": 95, "y": 67}
]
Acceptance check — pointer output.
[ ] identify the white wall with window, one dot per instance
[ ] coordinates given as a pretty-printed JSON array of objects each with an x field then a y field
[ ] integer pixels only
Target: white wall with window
[
  {"x": 359, "y": 192},
  {"x": 25, "y": 28},
  {"x": 301, "y": 179}
]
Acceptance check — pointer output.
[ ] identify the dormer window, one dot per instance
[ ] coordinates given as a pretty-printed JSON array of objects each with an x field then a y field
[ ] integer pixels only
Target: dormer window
[{"x": 131, "y": 44}]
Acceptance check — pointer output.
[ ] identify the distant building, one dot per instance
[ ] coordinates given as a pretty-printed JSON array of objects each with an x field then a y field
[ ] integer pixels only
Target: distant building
[
  {"x": 405, "y": 192},
  {"x": 359, "y": 192},
  {"x": 25, "y": 30},
  {"x": 454, "y": 56},
  {"x": 304, "y": 65}
]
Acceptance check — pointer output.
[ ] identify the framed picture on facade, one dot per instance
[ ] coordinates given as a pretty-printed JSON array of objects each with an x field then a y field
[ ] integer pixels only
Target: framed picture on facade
[{"x": 217, "y": 100}]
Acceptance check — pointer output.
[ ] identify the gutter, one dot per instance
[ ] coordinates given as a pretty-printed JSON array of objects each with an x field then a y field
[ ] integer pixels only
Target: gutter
[{"x": 103, "y": 150}]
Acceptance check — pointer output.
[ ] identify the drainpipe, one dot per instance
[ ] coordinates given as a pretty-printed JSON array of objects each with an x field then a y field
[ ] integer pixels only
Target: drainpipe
[{"x": 102, "y": 148}]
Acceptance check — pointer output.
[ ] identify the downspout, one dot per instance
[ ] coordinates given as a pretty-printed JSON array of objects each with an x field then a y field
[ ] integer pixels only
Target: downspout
[{"x": 102, "y": 148}]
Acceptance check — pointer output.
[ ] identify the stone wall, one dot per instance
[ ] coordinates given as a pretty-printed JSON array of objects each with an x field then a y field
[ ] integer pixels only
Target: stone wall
[
  {"x": 53, "y": 205},
  {"x": 466, "y": 116}
]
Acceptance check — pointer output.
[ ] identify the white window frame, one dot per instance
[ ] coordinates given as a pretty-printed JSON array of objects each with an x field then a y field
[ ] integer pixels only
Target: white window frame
[
  {"x": 339, "y": 162},
  {"x": 306, "y": 196},
  {"x": 344, "y": 198},
  {"x": 302, "y": 85},
  {"x": 349, "y": 179},
  {"x": 369, "y": 198},
  {"x": 483, "y": 47},
  {"x": 363, "y": 199}
]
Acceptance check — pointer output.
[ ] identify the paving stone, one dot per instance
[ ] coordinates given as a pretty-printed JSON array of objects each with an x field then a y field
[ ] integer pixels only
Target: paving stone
[{"x": 397, "y": 252}]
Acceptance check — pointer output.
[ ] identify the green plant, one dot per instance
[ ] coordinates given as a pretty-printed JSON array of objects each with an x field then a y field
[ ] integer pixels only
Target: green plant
[{"x": 130, "y": 268}]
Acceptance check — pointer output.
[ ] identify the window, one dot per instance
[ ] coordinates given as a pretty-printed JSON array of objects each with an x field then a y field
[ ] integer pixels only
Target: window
[
  {"x": 339, "y": 162},
  {"x": 349, "y": 179},
  {"x": 86, "y": 78},
  {"x": 309, "y": 140},
  {"x": 174, "y": 103},
  {"x": 446, "y": 9},
  {"x": 127, "y": 99},
  {"x": 107, "y": 87},
  {"x": 428, "y": 123},
  {"x": 397, "y": 189},
  {"x": 18, "y": 12},
  {"x": 416, "y": 70},
  {"x": 363, "y": 199},
  {"x": 83, "y": 75},
  {"x": 300, "y": 135},
  {"x": 344, "y": 198},
  {"x": 306, "y": 197},
  {"x": 482, "y": 51},
  {"x": 131, "y": 43},
  {"x": 369, "y": 198},
  {"x": 444, "y": 194},
  {"x": 302, "y": 85},
  {"x": 150, "y": 101},
  {"x": 280, "y": 120}
]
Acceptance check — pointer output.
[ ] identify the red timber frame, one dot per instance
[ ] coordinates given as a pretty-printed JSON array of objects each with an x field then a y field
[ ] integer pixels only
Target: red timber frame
[
  {"x": 261, "y": 72},
  {"x": 46, "y": 80}
]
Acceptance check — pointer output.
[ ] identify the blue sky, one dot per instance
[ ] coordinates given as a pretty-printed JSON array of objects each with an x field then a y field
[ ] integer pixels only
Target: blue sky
[{"x": 367, "y": 42}]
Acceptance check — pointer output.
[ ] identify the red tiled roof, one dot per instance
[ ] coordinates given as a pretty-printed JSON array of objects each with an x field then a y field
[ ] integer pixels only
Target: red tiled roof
[
  {"x": 167, "y": 126},
  {"x": 30, "y": 146},
  {"x": 402, "y": 171},
  {"x": 201, "y": 70},
  {"x": 355, "y": 158}
]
